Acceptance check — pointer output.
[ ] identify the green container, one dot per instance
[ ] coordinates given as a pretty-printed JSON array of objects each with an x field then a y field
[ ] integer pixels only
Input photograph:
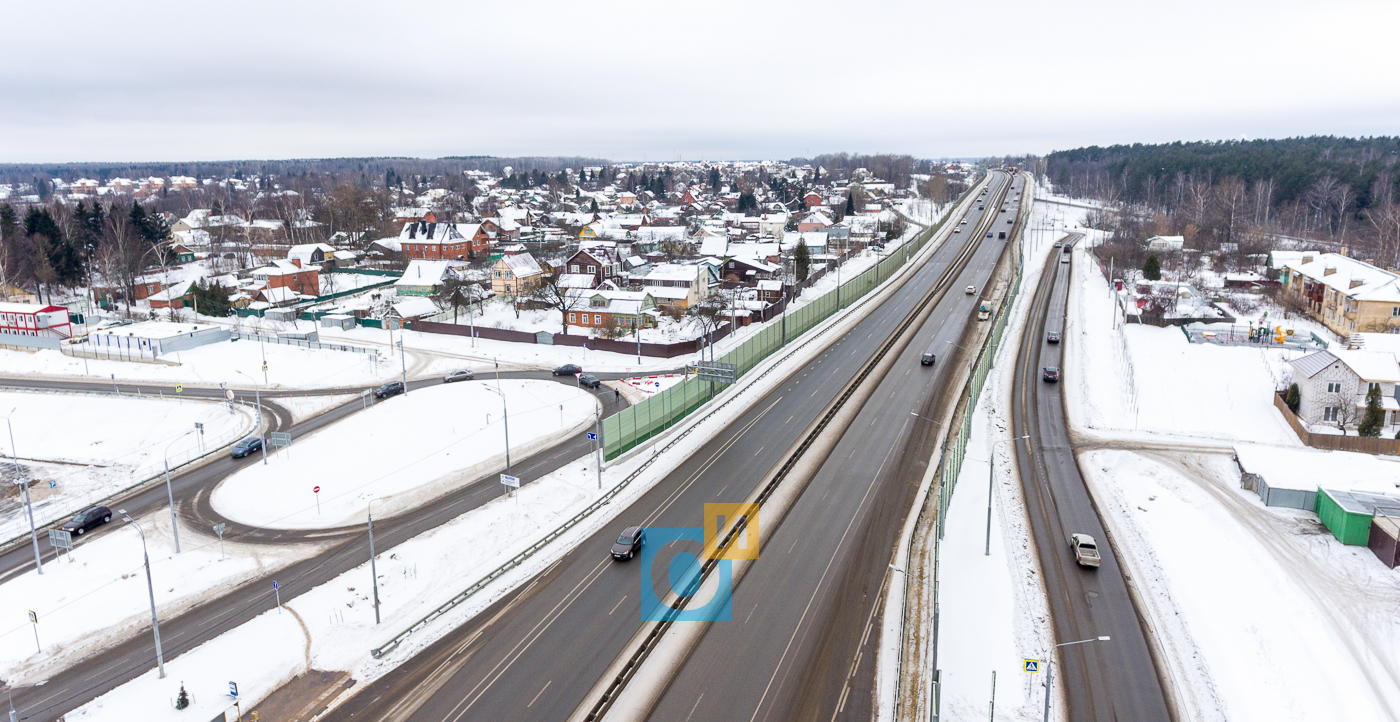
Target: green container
[{"x": 1351, "y": 524}]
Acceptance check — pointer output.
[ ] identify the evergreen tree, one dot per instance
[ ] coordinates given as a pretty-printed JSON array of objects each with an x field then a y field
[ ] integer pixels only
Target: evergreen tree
[
  {"x": 802, "y": 261},
  {"x": 211, "y": 299},
  {"x": 1292, "y": 398},
  {"x": 593, "y": 206},
  {"x": 1152, "y": 269},
  {"x": 850, "y": 205},
  {"x": 714, "y": 179},
  {"x": 63, "y": 259},
  {"x": 1374, "y": 418},
  {"x": 747, "y": 203},
  {"x": 182, "y": 700}
]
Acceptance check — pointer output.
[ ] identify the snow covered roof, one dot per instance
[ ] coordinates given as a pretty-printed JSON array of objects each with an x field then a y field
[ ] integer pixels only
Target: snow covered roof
[
  {"x": 522, "y": 265},
  {"x": 1374, "y": 366},
  {"x": 714, "y": 246},
  {"x": 425, "y": 273},
  {"x": 576, "y": 280},
  {"x": 415, "y": 307},
  {"x": 1355, "y": 279},
  {"x": 672, "y": 272}
]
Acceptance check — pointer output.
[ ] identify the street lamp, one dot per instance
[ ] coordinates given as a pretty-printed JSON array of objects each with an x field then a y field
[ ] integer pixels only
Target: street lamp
[
  {"x": 505, "y": 420},
  {"x": 1049, "y": 679},
  {"x": 10, "y": 692},
  {"x": 374, "y": 575},
  {"x": 14, "y": 458},
  {"x": 991, "y": 475},
  {"x": 151, "y": 589},
  {"x": 403, "y": 361},
  {"x": 933, "y": 715},
  {"x": 925, "y": 418},
  {"x": 174, "y": 523},
  {"x": 257, "y": 397}
]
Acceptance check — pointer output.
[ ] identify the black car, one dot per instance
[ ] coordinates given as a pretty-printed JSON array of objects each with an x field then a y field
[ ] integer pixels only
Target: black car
[
  {"x": 1052, "y": 337},
  {"x": 88, "y": 519},
  {"x": 927, "y": 359},
  {"x": 629, "y": 543},
  {"x": 393, "y": 388},
  {"x": 246, "y": 447},
  {"x": 1050, "y": 373},
  {"x": 590, "y": 381},
  {"x": 568, "y": 370},
  {"x": 461, "y": 375}
]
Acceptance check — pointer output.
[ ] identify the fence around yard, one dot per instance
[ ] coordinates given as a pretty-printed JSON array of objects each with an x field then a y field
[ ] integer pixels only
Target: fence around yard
[{"x": 1335, "y": 442}]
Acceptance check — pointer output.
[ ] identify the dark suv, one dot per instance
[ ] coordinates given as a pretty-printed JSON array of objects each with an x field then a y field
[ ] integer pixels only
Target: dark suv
[
  {"x": 393, "y": 388},
  {"x": 927, "y": 359},
  {"x": 568, "y": 370},
  {"x": 629, "y": 543},
  {"x": 246, "y": 447},
  {"x": 1052, "y": 337},
  {"x": 88, "y": 519},
  {"x": 1050, "y": 373}
]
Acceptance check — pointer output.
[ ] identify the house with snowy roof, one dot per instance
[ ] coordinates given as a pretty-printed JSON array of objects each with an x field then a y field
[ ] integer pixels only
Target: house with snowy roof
[
  {"x": 1346, "y": 294},
  {"x": 1333, "y": 384},
  {"x": 516, "y": 275}
]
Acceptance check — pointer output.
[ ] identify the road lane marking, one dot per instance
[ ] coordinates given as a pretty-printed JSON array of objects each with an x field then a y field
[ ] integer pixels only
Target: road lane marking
[
  {"x": 537, "y": 694},
  {"x": 697, "y": 704},
  {"x": 615, "y": 606}
]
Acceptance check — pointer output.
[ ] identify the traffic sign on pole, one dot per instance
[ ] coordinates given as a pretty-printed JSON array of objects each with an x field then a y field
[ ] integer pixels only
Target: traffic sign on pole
[
  {"x": 233, "y": 689},
  {"x": 317, "y": 491},
  {"x": 510, "y": 481},
  {"x": 1031, "y": 665},
  {"x": 592, "y": 436}
]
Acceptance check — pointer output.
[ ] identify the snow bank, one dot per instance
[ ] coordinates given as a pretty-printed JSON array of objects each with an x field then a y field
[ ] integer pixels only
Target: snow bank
[{"x": 401, "y": 451}]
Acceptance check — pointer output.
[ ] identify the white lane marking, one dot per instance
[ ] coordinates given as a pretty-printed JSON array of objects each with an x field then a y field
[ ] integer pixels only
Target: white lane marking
[
  {"x": 615, "y": 606},
  {"x": 537, "y": 694},
  {"x": 697, "y": 704}
]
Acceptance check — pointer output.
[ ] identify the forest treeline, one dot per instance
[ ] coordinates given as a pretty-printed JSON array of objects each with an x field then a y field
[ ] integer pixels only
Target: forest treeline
[{"x": 1337, "y": 191}]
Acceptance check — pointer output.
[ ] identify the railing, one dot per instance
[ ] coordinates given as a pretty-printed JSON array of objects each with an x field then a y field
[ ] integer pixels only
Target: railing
[
  {"x": 262, "y": 338},
  {"x": 57, "y": 508}
]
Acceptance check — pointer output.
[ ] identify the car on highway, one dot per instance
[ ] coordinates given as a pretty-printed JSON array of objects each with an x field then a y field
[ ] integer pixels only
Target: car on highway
[
  {"x": 928, "y": 359},
  {"x": 1010, "y": 221},
  {"x": 568, "y": 370},
  {"x": 629, "y": 542},
  {"x": 1050, "y": 373},
  {"x": 246, "y": 447},
  {"x": 1086, "y": 550},
  {"x": 970, "y": 290},
  {"x": 590, "y": 381},
  {"x": 459, "y": 375},
  {"x": 957, "y": 230},
  {"x": 1058, "y": 244},
  {"x": 1052, "y": 337},
  {"x": 1064, "y": 259},
  {"x": 88, "y": 519},
  {"x": 393, "y": 388},
  {"x": 989, "y": 234},
  {"x": 963, "y": 223}
]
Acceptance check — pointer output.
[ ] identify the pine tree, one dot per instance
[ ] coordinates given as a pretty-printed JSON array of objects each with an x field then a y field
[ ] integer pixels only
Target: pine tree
[
  {"x": 802, "y": 261},
  {"x": 593, "y": 206},
  {"x": 1375, "y": 417},
  {"x": 1152, "y": 269},
  {"x": 747, "y": 202},
  {"x": 714, "y": 179},
  {"x": 850, "y": 205},
  {"x": 183, "y": 700},
  {"x": 1292, "y": 398}
]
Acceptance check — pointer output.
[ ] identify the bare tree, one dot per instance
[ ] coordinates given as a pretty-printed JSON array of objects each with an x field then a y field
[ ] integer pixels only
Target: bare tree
[
  {"x": 1346, "y": 413},
  {"x": 555, "y": 297}
]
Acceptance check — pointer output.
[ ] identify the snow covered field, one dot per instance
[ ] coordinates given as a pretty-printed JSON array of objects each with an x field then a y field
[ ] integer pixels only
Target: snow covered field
[
  {"x": 289, "y": 367},
  {"x": 1282, "y": 621},
  {"x": 401, "y": 452},
  {"x": 90, "y": 446}
]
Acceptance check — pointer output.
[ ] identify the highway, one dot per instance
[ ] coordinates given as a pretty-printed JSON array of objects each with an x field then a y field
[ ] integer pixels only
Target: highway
[
  {"x": 536, "y": 653},
  {"x": 120, "y": 662},
  {"x": 1102, "y": 681},
  {"x": 808, "y": 605}
]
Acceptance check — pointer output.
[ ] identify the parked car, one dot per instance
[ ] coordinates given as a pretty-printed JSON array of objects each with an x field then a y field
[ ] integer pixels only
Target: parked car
[
  {"x": 629, "y": 542},
  {"x": 393, "y": 388},
  {"x": 1052, "y": 337},
  {"x": 459, "y": 375},
  {"x": 1050, "y": 373},
  {"x": 88, "y": 519},
  {"x": 568, "y": 370},
  {"x": 927, "y": 359},
  {"x": 246, "y": 447},
  {"x": 590, "y": 381},
  {"x": 1086, "y": 550}
]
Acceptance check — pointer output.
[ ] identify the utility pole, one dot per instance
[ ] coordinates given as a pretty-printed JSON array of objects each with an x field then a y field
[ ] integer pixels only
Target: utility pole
[
  {"x": 257, "y": 398},
  {"x": 598, "y": 443},
  {"x": 174, "y": 522},
  {"x": 404, "y": 362},
  {"x": 14, "y": 457},
  {"x": 151, "y": 589},
  {"x": 373, "y": 574}
]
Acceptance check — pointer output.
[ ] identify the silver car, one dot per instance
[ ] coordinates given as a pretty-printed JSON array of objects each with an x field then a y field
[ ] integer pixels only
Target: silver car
[{"x": 459, "y": 375}]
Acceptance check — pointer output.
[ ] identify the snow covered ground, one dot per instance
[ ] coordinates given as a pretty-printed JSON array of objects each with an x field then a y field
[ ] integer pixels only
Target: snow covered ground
[
  {"x": 1283, "y": 621},
  {"x": 400, "y": 452},
  {"x": 81, "y": 448},
  {"x": 289, "y": 367},
  {"x": 305, "y": 407},
  {"x": 101, "y": 596}
]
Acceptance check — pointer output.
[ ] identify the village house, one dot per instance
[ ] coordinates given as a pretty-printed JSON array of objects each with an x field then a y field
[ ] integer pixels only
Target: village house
[
  {"x": 1345, "y": 294},
  {"x": 305, "y": 281},
  {"x": 609, "y": 309},
  {"x": 516, "y": 275},
  {"x": 443, "y": 241},
  {"x": 674, "y": 284},
  {"x": 599, "y": 260},
  {"x": 1163, "y": 244},
  {"x": 424, "y": 278},
  {"x": 815, "y": 221},
  {"x": 1332, "y": 385}
]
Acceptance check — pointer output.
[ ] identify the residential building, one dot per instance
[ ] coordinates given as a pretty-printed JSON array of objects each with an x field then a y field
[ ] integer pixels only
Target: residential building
[
  {"x": 1332, "y": 385},
  {"x": 683, "y": 283},
  {"x": 1345, "y": 294},
  {"x": 1162, "y": 244},
  {"x": 814, "y": 222},
  {"x": 443, "y": 241},
  {"x": 599, "y": 260},
  {"x": 424, "y": 278},
  {"x": 516, "y": 275},
  {"x": 606, "y": 309},
  {"x": 290, "y": 275},
  {"x": 34, "y": 319}
]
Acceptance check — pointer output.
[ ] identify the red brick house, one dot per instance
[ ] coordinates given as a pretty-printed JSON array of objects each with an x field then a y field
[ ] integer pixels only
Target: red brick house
[
  {"x": 290, "y": 275},
  {"x": 812, "y": 198},
  {"x": 443, "y": 241}
]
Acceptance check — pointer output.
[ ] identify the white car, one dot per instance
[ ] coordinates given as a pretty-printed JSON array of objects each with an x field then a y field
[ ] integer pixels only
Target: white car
[{"x": 971, "y": 290}]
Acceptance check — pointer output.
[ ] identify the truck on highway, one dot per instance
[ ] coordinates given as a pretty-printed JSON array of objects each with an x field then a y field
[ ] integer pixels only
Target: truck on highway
[{"x": 1086, "y": 550}]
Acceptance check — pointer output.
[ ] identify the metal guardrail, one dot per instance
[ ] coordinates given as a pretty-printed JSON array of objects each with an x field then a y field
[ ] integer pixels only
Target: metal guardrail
[
  {"x": 49, "y": 511},
  {"x": 578, "y": 518}
]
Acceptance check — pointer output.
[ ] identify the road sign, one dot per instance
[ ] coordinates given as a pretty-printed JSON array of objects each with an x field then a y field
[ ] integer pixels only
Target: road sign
[
  {"x": 1031, "y": 665},
  {"x": 264, "y": 368},
  {"x": 53, "y": 483},
  {"x": 233, "y": 689},
  {"x": 229, "y": 395},
  {"x": 179, "y": 388},
  {"x": 33, "y": 618},
  {"x": 722, "y": 372},
  {"x": 199, "y": 426},
  {"x": 592, "y": 436},
  {"x": 60, "y": 539},
  {"x": 280, "y": 438},
  {"x": 315, "y": 490},
  {"x": 219, "y": 529},
  {"x": 274, "y": 585},
  {"x": 510, "y": 481}
]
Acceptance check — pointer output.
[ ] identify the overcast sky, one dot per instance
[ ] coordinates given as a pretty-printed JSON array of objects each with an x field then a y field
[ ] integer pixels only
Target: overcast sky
[{"x": 658, "y": 80}]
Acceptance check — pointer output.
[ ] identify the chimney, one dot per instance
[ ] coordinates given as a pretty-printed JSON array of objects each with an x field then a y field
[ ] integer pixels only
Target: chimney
[
  {"x": 1328, "y": 270},
  {"x": 296, "y": 262},
  {"x": 1308, "y": 259},
  {"x": 1343, "y": 251},
  {"x": 1355, "y": 282}
]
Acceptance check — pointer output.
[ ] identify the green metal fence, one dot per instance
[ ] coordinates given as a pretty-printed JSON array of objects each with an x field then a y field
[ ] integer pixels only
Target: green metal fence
[{"x": 635, "y": 425}]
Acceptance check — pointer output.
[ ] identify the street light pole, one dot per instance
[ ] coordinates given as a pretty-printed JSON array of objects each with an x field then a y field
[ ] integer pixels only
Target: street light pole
[
  {"x": 373, "y": 574},
  {"x": 935, "y": 678},
  {"x": 174, "y": 523},
  {"x": 10, "y": 693},
  {"x": 1049, "y": 668},
  {"x": 257, "y": 398},
  {"x": 991, "y": 480},
  {"x": 151, "y": 589},
  {"x": 404, "y": 362},
  {"x": 14, "y": 458},
  {"x": 505, "y": 417}
]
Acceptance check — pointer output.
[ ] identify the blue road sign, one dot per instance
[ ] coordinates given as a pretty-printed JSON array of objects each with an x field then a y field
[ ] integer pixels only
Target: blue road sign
[
  {"x": 1031, "y": 665},
  {"x": 274, "y": 585},
  {"x": 233, "y": 689},
  {"x": 592, "y": 436},
  {"x": 53, "y": 483}
]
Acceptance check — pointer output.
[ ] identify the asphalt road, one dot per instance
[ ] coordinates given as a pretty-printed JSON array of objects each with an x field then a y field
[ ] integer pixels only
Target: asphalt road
[
  {"x": 118, "y": 663},
  {"x": 537, "y": 652},
  {"x": 1114, "y": 680},
  {"x": 804, "y": 646}
]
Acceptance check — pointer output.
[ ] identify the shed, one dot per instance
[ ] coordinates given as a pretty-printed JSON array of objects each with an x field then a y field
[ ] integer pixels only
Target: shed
[
  {"x": 340, "y": 321},
  {"x": 1348, "y": 514},
  {"x": 1384, "y": 540}
]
